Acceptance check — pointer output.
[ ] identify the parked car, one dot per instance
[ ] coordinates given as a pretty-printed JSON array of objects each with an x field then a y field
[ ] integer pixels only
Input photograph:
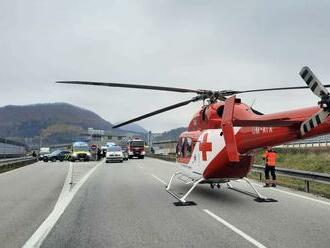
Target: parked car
[
  {"x": 114, "y": 154},
  {"x": 60, "y": 155}
]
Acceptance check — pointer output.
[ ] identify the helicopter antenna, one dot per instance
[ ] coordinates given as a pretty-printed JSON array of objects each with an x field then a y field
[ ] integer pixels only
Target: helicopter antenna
[{"x": 254, "y": 100}]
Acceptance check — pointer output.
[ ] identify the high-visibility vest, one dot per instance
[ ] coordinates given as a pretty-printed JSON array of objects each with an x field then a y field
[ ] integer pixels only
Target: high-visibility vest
[{"x": 270, "y": 158}]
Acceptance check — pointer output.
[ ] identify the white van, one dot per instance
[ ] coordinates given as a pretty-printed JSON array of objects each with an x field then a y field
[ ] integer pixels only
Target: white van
[{"x": 43, "y": 151}]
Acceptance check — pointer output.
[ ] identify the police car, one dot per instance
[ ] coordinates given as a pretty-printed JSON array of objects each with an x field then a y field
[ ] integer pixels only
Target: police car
[{"x": 60, "y": 155}]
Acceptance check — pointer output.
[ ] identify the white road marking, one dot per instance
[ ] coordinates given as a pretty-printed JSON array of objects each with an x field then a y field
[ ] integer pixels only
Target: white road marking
[
  {"x": 301, "y": 196},
  {"x": 236, "y": 230},
  {"x": 157, "y": 178},
  {"x": 63, "y": 201},
  {"x": 294, "y": 194},
  {"x": 140, "y": 167},
  {"x": 289, "y": 193}
]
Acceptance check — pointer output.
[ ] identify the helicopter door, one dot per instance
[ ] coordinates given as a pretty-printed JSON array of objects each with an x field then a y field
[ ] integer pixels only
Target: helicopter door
[
  {"x": 195, "y": 157},
  {"x": 184, "y": 150},
  {"x": 209, "y": 144}
]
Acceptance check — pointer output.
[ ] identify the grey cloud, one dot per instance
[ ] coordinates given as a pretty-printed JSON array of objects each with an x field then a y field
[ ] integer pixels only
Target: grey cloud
[{"x": 194, "y": 44}]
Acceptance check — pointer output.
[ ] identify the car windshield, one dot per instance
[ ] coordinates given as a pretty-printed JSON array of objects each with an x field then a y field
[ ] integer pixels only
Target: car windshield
[
  {"x": 114, "y": 149},
  {"x": 55, "y": 152},
  {"x": 81, "y": 148},
  {"x": 138, "y": 143}
]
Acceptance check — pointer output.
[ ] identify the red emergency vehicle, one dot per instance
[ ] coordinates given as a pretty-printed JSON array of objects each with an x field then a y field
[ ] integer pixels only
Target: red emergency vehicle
[{"x": 135, "y": 148}]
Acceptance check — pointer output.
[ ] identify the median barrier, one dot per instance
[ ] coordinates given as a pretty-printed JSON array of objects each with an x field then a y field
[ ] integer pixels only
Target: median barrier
[{"x": 14, "y": 163}]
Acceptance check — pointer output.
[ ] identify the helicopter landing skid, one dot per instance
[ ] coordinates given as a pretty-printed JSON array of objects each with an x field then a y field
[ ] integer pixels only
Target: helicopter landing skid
[
  {"x": 182, "y": 199},
  {"x": 256, "y": 194}
]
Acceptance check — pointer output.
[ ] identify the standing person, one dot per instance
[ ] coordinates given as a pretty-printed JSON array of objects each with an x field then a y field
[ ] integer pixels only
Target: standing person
[
  {"x": 270, "y": 161},
  {"x": 98, "y": 154}
]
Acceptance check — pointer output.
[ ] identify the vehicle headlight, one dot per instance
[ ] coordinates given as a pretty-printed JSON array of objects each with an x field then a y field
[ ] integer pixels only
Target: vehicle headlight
[
  {"x": 74, "y": 155},
  {"x": 88, "y": 154}
]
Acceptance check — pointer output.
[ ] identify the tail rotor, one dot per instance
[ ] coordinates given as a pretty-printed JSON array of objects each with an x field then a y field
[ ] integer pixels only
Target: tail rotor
[{"x": 319, "y": 90}]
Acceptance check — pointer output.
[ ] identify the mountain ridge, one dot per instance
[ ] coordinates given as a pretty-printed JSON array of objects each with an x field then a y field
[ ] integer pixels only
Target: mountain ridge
[{"x": 47, "y": 119}]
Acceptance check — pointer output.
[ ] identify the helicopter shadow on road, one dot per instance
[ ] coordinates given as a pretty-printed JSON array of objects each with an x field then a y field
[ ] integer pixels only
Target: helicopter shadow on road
[{"x": 203, "y": 193}]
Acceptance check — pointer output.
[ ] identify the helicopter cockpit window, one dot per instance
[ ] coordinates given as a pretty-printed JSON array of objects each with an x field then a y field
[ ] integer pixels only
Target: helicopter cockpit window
[
  {"x": 179, "y": 148},
  {"x": 185, "y": 147},
  {"x": 220, "y": 110},
  {"x": 256, "y": 112}
]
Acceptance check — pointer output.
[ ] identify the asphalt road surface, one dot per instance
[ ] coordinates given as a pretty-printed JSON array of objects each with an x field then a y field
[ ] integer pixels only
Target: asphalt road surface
[
  {"x": 27, "y": 196},
  {"x": 126, "y": 205}
]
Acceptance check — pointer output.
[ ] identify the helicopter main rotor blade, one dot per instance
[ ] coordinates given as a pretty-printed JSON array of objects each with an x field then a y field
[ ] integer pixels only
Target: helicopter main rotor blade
[
  {"x": 233, "y": 92},
  {"x": 174, "y": 106},
  {"x": 222, "y": 93},
  {"x": 134, "y": 86}
]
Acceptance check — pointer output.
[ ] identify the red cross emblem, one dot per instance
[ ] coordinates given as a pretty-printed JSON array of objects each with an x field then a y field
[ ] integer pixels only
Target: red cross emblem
[{"x": 205, "y": 147}]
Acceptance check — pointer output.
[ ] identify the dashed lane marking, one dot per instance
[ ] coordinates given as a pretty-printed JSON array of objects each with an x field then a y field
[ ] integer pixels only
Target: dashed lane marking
[
  {"x": 158, "y": 179},
  {"x": 63, "y": 201},
  {"x": 235, "y": 229}
]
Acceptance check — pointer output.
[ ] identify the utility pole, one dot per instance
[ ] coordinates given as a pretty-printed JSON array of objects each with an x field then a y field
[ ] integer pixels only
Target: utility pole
[
  {"x": 40, "y": 144},
  {"x": 150, "y": 140}
]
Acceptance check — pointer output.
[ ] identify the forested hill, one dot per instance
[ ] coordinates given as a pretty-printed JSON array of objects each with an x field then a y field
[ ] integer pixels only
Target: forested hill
[
  {"x": 30, "y": 120},
  {"x": 172, "y": 134}
]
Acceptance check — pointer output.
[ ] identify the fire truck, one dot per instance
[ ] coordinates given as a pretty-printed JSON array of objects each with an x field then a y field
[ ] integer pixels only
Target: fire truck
[{"x": 135, "y": 148}]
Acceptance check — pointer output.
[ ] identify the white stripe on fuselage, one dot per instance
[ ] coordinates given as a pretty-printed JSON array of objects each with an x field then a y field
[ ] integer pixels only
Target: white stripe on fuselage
[{"x": 196, "y": 163}]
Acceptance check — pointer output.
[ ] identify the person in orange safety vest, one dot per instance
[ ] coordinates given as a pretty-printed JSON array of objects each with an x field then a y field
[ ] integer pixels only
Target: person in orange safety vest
[{"x": 270, "y": 160}]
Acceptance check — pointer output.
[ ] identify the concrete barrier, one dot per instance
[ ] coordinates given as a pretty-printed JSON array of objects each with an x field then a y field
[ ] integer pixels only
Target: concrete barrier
[{"x": 14, "y": 163}]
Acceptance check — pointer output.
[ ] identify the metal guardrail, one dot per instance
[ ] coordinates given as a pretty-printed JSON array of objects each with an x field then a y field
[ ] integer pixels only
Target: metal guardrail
[
  {"x": 306, "y": 176},
  {"x": 307, "y": 144},
  {"x": 13, "y": 160},
  {"x": 169, "y": 157},
  {"x": 321, "y": 142}
]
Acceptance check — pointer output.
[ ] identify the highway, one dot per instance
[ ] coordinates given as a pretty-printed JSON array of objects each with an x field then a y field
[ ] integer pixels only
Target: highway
[{"x": 126, "y": 205}]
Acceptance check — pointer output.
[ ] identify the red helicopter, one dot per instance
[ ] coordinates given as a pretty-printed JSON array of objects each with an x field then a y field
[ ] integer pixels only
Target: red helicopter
[{"x": 221, "y": 140}]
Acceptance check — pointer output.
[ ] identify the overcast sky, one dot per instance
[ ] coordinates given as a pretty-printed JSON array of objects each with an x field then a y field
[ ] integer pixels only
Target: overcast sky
[{"x": 194, "y": 44}]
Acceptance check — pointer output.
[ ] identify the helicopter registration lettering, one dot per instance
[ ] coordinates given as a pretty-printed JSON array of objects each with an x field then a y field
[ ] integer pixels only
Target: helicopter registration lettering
[{"x": 261, "y": 130}]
